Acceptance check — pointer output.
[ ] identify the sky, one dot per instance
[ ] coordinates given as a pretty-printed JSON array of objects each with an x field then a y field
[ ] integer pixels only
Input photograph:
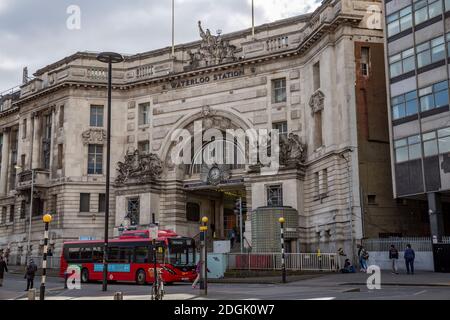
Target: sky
[{"x": 37, "y": 33}]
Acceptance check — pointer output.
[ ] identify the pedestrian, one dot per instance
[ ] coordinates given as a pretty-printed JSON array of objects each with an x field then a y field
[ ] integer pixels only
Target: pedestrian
[
  {"x": 30, "y": 274},
  {"x": 232, "y": 237},
  {"x": 363, "y": 257},
  {"x": 410, "y": 256},
  {"x": 198, "y": 270},
  {"x": 3, "y": 269},
  {"x": 348, "y": 268},
  {"x": 393, "y": 256}
]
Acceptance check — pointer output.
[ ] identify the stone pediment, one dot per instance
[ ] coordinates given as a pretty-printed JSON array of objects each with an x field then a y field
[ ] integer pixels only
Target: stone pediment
[
  {"x": 139, "y": 168},
  {"x": 94, "y": 136}
]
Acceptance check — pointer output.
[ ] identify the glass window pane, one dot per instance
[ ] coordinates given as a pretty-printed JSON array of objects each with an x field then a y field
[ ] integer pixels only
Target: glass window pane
[
  {"x": 408, "y": 53},
  {"x": 425, "y": 91},
  {"x": 423, "y": 58},
  {"x": 441, "y": 98},
  {"x": 440, "y": 86},
  {"x": 405, "y": 11},
  {"x": 414, "y": 139},
  {"x": 435, "y": 9},
  {"x": 393, "y": 28},
  {"x": 437, "y": 41},
  {"x": 421, "y": 15},
  {"x": 415, "y": 152},
  {"x": 398, "y": 111},
  {"x": 401, "y": 143},
  {"x": 430, "y": 148},
  {"x": 409, "y": 64},
  {"x": 405, "y": 22},
  {"x": 444, "y": 145},
  {"x": 401, "y": 154},
  {"x": 438, "y": 53},
  {"x": 396, "y": 69},
  {"x": 412, "y": 107},
  {"x": 444, "y": 132},
  {"x": 427, "y": 103},
  {"x": 398, "y": 100},
  {"x": 411, "y": 95},
  {"x": 429, "y": 136}
]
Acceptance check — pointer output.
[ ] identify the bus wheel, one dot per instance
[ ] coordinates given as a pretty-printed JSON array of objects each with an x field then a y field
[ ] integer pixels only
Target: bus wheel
[
  {"x": 140, "y": 277},
  {"x": 85, "y": 275}
]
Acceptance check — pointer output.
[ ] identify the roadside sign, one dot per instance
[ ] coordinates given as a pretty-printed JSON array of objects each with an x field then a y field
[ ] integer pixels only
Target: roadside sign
[{"x": 153, "y": 232}]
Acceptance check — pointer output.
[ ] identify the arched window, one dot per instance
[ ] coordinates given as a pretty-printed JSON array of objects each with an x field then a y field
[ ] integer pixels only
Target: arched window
[{"x": 193, "y": 212}]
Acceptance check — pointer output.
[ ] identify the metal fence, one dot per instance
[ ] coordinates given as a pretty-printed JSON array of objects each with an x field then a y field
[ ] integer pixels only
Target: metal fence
[
  {"x": 20, "y": 260},
  {"x": 272, "y": 261},
  {"x": 417, "y": 243}
]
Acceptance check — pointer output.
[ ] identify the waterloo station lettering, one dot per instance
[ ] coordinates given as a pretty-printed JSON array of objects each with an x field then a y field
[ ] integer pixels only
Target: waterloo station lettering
[{"x": 207, "y": 79}]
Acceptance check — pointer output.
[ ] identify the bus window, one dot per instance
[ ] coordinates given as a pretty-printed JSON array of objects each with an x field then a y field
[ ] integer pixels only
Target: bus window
[
  {"x": 86, "y": 254},
  {"x": 97, "y": 254},
  {"x": 120, "y": 255},
  {"x": 73, "y": 254},
  {"x": 141, "y": 255}
]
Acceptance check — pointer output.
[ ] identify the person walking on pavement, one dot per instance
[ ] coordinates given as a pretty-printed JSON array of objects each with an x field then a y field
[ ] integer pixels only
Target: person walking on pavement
[
  {"x": 198, "y": 270},
  {"x": 232, "y": 237},
  {"x": 30, "y": 274},
  {"x": 393, "y": 256},
  {"x": 410, "y": 256},
  {"x": 3, "y": 269},
  {"x": 363, "y": 257}
]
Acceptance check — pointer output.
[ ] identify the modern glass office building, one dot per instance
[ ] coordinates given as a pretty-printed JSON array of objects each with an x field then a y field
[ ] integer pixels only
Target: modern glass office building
[{"x": 418, "y": 54}]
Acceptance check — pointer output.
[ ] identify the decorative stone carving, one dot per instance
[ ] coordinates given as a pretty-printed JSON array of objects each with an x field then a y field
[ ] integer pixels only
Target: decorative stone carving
[
  {"x": 215, "y": 174},
  {"x": 292, "y": 150},
  {"x": 317, "y": 101},
  {"x": 94, "y": 136},
  {"x": 213, "y": 50},
  {"x": 139, "y": 167}
]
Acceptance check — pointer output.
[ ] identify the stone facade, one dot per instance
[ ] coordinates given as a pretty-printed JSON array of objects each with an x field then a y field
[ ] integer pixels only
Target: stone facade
[{"x": 227, "y": 82}]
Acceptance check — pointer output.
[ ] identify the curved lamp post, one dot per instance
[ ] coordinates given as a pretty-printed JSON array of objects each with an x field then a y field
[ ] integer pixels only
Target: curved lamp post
[{"x": 109, "y": 58}]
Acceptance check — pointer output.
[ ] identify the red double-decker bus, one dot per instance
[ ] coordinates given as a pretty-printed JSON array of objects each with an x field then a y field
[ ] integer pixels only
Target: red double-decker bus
[{"x": 131, "y": 256}]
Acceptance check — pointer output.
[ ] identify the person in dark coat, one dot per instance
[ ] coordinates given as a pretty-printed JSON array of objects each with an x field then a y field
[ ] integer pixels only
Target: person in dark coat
[
  {"x": 3, "y": 269},
  {"x": 393, "y": 256},
  {"x": 409, "y": 256},
  {"x": 30, "y": 274}
]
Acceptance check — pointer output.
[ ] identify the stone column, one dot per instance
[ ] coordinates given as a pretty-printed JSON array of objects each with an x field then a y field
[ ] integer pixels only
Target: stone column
[
  {"x": 436, "y": 216},
  {"x": 36, "y": 156},
  {"x": 52, "y": 143},
  {"x": 5, "y": 163}
]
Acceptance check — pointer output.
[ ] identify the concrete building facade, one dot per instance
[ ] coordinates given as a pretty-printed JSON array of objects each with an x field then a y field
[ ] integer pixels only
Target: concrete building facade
[{"x": 317, "y": 78}]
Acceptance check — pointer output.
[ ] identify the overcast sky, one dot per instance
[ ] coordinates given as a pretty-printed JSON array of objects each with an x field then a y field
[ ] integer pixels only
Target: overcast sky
[{"x": 35, "y": 33}]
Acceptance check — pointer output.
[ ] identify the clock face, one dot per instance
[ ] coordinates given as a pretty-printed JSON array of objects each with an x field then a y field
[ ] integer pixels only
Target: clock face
[{"x": 214, "y": 176}]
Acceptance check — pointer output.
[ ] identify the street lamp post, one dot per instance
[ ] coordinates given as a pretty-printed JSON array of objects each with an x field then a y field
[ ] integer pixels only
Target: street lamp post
[
  {"x": 47, "y": 219},
  {"x": 109, "y": 58},
  {"x": 204, "y": 256},
  {"x": 283, "y": 262}
]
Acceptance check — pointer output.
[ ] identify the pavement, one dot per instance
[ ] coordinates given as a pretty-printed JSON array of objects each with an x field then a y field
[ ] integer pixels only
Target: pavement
[{"x": 423, "y": 286}]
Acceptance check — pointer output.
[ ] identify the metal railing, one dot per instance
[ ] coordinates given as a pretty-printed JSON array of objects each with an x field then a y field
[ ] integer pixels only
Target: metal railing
[
  {"x": 423, "y": 244},
  {"x": 294, "y": 261},
  {"x": 20, "y": 260}
]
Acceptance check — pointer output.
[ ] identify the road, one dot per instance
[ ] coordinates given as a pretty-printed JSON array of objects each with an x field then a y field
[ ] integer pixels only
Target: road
[{"x": 322, "y": 288}]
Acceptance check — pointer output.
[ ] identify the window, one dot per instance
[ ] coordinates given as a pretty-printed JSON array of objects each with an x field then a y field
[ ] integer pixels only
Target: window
[
  {"x": 282, "y": 128},
  {"x": 430, "y": 51},
  {"x": 316, "y": 185},
  {"x": 434, "y": 96},
  {"x": 73, "y": 254},
  {"x": 408, "y": 149},
  {"x": 23, "y": 160},
  {"x": 96, "y": 116},
  {"x": 426, "y": 9},
  {"x": 399, "y": 21},
  {"x": 101, "y": 202},
  {"x": 318, "y": 130},
  {"x": 46, "y": 141},
  {"x": 372, "y": 199},
  {"x": 447, "y": 5},
  {"x": 61, "y": 117},
  {"x": 365, "y": 59},
  {"x": 430, "y": 146},
  {"x": 324, "y": 190},
  {"x": 141, "y": 255},
  {"x": 24, "y": 128},
  {"x": 444, "y": 140},
  {"x": 133, "y": 212},
  {"x": 38, "y": 207},
  {"x": 95, "y": 159},
  {"x": 144, "y": 147},
  {"x": 12, "y": 211},
  {"x": 3, "y": 220},
  {"x": 402, "y": 63},
  {"x": 275, "y": 196},
  {"x": 279, "y": 90},
  {"x": 316, "y": 76},
  {"x": 405, "y": 105},
  {"x": 144, "y": 114},
  {"x": 85, "y": 202},
  {"x": 193, "y": 212},
  {"x": 23, "y": 209},
  {"x": 60, "y": 155}
]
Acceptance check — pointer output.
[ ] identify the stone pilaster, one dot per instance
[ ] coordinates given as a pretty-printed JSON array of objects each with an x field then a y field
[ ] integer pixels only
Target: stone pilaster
[{"x": 5, "y": 162}]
